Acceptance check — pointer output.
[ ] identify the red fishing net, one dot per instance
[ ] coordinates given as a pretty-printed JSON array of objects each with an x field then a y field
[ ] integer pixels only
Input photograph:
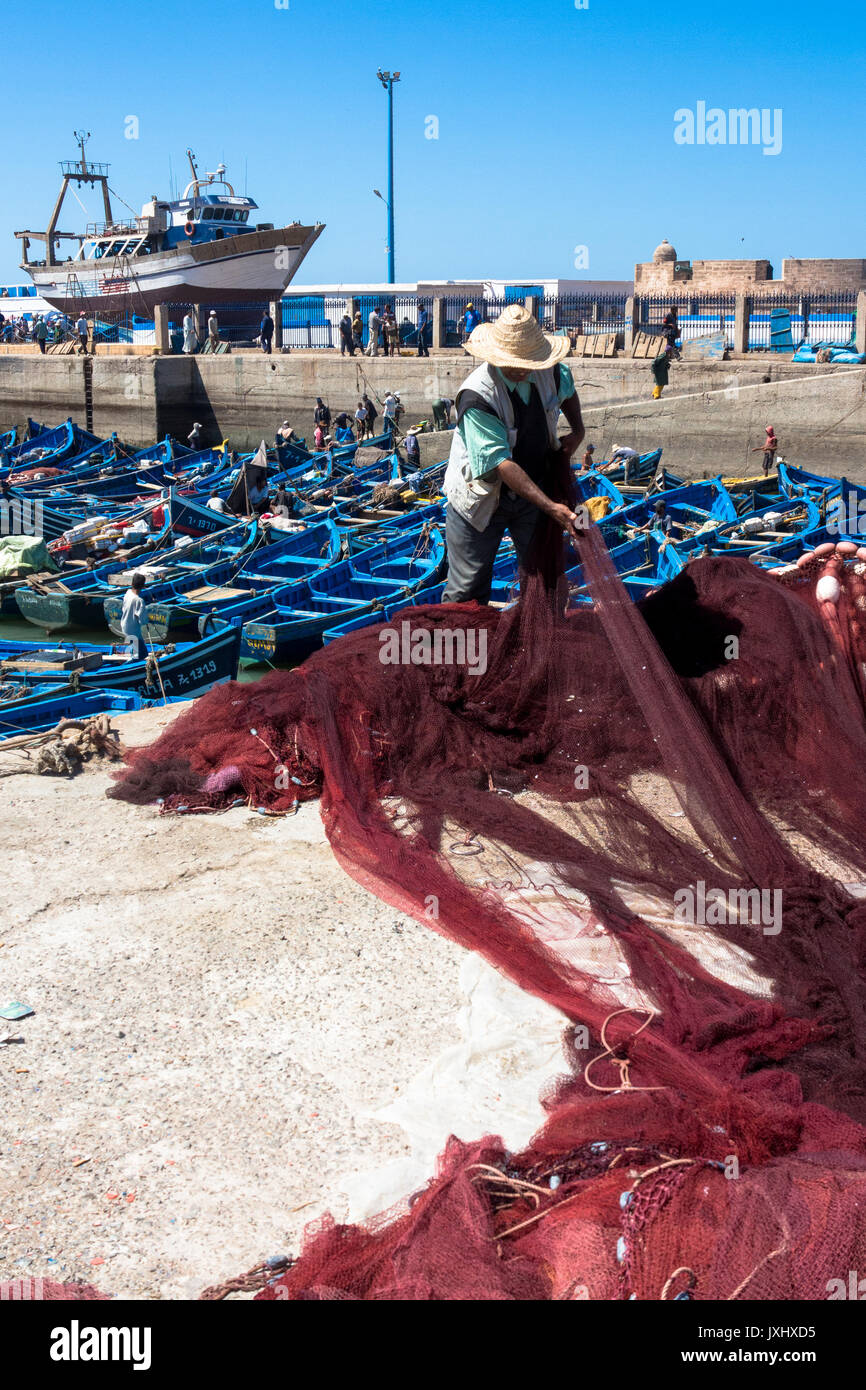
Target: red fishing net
[{"x": 646, "y": 815}]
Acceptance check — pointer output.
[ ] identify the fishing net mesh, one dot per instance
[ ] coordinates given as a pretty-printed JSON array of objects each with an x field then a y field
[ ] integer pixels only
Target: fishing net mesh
[{"x": 647, "y": 815}]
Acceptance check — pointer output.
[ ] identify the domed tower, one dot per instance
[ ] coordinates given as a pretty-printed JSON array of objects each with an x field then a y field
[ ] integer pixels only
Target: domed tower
[{"x": 658, "y": 273}]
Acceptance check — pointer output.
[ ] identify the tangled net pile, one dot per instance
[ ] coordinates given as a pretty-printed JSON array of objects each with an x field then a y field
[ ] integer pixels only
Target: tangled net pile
[{"x": 713, "y": 1049}]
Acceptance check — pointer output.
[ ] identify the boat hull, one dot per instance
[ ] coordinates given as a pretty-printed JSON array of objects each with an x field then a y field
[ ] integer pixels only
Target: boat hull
[
  {"x": 186, "y": 672},
  {"x": 233, "y": 271},
  {"x": 53, "y": 612}
]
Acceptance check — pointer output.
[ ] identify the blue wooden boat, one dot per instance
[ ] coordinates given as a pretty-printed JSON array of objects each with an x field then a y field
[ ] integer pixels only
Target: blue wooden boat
[
  {"x": 45, "y": 709},
  {"x": 245, "y": 592},
  {"x": 430, "y": 595},
  {"x": 641, "y": 564},
  {"x": 50, "y": 449},
  {"x": 793, "y": 482},
  {"x": 121, "y": 478},
  {"x": 364, "y": 583},
  {"x": 631, "y": 472},
  {"x": 16, "y": 690},
  {"x": 766, "y": 527},
  {"x": 376, "y": 525},
  {"x": 594, "y": 484},
  {"x": 693, "y": 508},
  {"x": 190, "y": 517},
  {"x": 180, "y": 671},
  {"x": 79, "y": 601}
]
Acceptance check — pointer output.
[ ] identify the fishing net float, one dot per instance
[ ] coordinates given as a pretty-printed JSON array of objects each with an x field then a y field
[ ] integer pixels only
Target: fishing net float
[{"x": 651, "y": 826}]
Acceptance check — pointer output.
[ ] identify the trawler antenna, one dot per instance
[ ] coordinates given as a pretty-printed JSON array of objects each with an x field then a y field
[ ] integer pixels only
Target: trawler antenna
[
  {"x": 81, "y": 139},
  {"x": 191, "y": 157}
]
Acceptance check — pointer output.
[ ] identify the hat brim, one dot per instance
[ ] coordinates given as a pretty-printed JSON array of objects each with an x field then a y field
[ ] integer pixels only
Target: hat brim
[{"x": 482, "y": 343}]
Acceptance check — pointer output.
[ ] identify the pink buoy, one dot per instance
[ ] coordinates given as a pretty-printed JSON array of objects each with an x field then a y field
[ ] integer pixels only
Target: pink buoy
[
  {"x": 861, "y": 552},
  {"x": 846, "y": 548},
  {"x": 826, "y": 548},
  {"x": 806, "y": 559}
]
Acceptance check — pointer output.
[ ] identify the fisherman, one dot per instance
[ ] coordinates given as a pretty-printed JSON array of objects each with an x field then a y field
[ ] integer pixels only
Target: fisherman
[
  {"x": 670, "y": 329},
  {"x": 660, "y": 367},
  {"x": 507, "y": 417},
  {"x": 373, "y": 324},
  {"x": 392, "y": 331},
  {"x": 768, "y": 449},
  {"x": 213, "y": 330},
  {"x": 319, "y": 437},
  {"x": 190, "y": 338},
  {"x": 361, "y": 419},
  {"x": 423, "y": 321},
  {"x": 346, "y": 344},
  {"x": 389, "y": 417},
  {"x": 216, "y": 503},
  {"x": 471, "y": 319},
  {"x": 358, "y": 331},
  {"x": 343, "y": 432},
  {"x": 372, "y": 414},
  {"x": 284, "y": 434},
  {"x": 283, "y": 504},
  {"x": 193, "y": 439},
  {"x": 131, "y": 616},
  {"x": 322, "y": 414},
  {"x": 587, "y": 461},
  {"x": 41, "y": 333},
  {"x": 621, "y": 453},
  {"x": 258, "y": 496},
  {"x": 660, "y": 520},
  {"x": 81, "y": 330},
  {"x": 441, "y": 408},
  {"x": 413, "y": 448},
  {"x": 266, "y": 332}
]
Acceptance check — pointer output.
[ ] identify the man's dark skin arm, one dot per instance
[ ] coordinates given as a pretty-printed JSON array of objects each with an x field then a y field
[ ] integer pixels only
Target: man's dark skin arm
[{"x": 514, "y": 477}]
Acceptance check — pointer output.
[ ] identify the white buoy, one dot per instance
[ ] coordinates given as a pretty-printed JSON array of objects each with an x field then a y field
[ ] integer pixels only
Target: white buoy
[{"x": 828, "y": 589}]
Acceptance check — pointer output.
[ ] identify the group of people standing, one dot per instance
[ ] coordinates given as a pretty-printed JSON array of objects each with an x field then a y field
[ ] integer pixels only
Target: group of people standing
[
  {"x": 342, "y": 430},
  {"x": 191, "y": 341},
  {"x": 38, "y": 330},
  {"x": 383, "y": 332}
]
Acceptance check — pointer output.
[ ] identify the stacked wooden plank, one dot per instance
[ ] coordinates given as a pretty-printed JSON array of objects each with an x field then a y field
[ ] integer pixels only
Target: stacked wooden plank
[{"x": 594, "y": 345}]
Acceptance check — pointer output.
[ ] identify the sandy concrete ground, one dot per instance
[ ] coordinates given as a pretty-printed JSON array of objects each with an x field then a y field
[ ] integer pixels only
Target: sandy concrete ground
[{"x": 232, "y": 1034}]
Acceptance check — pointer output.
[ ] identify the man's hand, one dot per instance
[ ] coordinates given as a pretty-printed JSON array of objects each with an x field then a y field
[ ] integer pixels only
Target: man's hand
[{"x": 566, "y": 519}]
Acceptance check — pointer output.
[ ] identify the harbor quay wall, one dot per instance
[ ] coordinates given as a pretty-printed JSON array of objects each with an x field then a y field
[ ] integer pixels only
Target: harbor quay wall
[
  {"x": 107, "y": 393},
  {"x": 820, "y": 419},
  {"x": 709, "y": 416}
]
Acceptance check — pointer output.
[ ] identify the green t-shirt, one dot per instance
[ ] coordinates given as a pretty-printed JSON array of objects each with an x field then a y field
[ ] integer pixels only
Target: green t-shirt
[{"x": 486, "y": 437}]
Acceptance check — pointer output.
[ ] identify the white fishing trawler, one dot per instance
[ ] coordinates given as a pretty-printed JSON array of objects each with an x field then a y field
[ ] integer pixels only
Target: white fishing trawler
[{"x": 197, "y": 249}]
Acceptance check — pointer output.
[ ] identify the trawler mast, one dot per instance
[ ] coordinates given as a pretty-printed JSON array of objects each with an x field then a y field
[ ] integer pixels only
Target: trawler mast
[{"x": 74, "y": 171}]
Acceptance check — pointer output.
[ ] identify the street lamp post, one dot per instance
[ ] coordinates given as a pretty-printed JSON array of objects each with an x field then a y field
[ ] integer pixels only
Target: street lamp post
[{"x": 388, "y": 79}]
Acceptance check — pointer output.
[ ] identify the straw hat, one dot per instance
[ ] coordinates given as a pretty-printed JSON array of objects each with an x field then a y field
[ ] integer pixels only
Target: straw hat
[{"x": 516, "y": 339}]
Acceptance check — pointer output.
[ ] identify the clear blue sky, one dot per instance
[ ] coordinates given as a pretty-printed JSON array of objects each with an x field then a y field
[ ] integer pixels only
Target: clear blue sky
[{"x": 555, "y": 124}]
